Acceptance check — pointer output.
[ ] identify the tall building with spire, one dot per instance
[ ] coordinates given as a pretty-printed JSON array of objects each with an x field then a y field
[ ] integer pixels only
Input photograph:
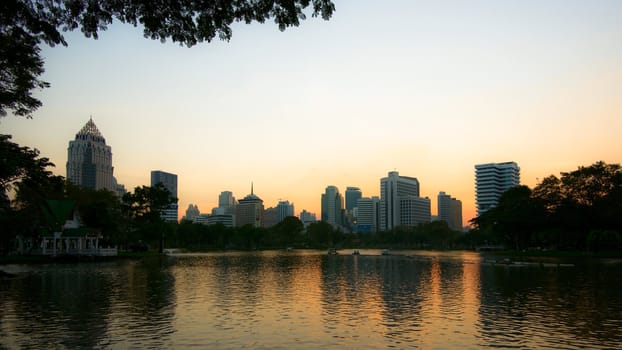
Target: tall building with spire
[
  {"x": 89, "y": 159},
  {"x": 249, "y": 211}
]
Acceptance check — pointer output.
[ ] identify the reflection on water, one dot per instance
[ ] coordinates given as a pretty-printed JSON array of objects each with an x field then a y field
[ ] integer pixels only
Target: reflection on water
[{"x": 306, "y": 299}]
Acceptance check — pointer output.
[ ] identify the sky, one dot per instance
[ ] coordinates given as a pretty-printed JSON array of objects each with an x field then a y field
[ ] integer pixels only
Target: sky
[{"x": 425, "y": 88}]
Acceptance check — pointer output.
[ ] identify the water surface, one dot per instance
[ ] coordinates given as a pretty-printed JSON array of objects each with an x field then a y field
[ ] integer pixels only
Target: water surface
[{"x": 307, "y": 299}]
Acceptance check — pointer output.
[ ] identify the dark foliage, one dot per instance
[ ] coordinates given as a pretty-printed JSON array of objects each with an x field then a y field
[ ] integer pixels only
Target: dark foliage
[{"x": 580, "y": 210}]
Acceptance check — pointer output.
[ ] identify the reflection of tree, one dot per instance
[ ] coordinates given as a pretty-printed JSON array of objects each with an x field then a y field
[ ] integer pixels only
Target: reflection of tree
[
  {"x": 579, "y": 305},
  {"x": 68, "y": 301}
]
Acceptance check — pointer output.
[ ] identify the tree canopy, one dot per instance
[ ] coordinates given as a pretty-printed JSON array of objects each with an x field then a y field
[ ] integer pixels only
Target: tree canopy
[
  {"x": 580, "y": 209},
  {"x": 26, "y": 24}
]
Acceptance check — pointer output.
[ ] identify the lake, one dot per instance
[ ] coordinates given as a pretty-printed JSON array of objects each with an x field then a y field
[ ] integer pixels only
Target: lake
[{"x": 307, "y": 299}]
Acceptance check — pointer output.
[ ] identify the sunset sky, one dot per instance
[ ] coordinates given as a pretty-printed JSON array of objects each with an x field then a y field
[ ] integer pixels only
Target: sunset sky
[{"x": 427, "y": 88}]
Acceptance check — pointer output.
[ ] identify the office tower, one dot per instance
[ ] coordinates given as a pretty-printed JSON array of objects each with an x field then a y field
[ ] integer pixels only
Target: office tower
[
  {"x": 307, "y": 218},
  {"x": 249, "y": 211},
  {"x": 394, "y": 188},
  {"x": 491, "y": 180},
  {"x": 450, "y": 211},
  {"x": 353, "y": 194},
  {"x": 270, "y": 217},
  {"x": 332, "y": 205},
  {"x": 367, "y": 217},
  {"x": 226, "y": 220},
  {"x": 414, "y": 211},
  {"x": 284, "y": 209},
  {"x": 89, "y": 159},
  {"x": 227, "y": 200},
  {"x": 169, "y": 181}
]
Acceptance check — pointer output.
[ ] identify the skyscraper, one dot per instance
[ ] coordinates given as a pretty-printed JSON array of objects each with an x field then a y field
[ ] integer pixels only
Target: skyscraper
[
  {"x": 227, "y": 202},
  {"x": 249, "y": 211},
  {"x": 450, "y": 211},
  {"x": 353, "y": 194},
  {"x": 284, "y": 209},
  {"x": 169, "y": 181},
  {"x": 393, "y": 189},
  {"x": 491, "y": 180},
  {"x": 89, "y": 159},
  {"x": 332, "y": 206},
  {"x": 367, "y": 217},
  {"x": 414, "y": 211}
]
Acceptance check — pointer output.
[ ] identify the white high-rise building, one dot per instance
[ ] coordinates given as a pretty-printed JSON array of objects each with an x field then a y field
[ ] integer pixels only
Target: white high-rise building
[
  {"x": 393, "y": 189},
  {"x": 491, "y": 180},
  {"x": 332, "y": 205},
  {"x": 450, "y": 210},
  {"x": 169, "y": 181},
  {"x": 89, "y": 160}
]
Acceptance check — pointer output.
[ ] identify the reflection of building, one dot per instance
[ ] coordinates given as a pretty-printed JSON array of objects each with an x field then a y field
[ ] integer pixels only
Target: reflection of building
[
  {"x": 491, "y": 180},
  {"x": 450, "y": 211},
  {"x": 89, "y": 159},
  {"x": 169, "y": 181},
  {"x": 400, "y": 203},
  {"x": 367, "y": 215},
  {"x": 332, "y": 205},
  {"x": 249, "y": 211}
]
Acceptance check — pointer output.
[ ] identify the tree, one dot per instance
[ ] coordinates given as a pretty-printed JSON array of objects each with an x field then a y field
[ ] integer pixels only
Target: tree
[
  {"x": 25, "y": 175},
  {"x": 25, "y": 24},
  {"x": 321, "y": 234},
  {"x": 146, "y": 204},
  {"x": 144, "y": 210},
  {"x": 515, "y": 219},
  {"x": 287, "y": 232},
  {"x": 98, "y": 209},
  {"x": 18, "y": 164},
  {"x": 589, "y": 185}
]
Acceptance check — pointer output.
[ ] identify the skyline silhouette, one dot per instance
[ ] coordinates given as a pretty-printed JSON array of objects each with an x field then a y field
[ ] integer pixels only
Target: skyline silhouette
[{"x": 427, "y": 89}]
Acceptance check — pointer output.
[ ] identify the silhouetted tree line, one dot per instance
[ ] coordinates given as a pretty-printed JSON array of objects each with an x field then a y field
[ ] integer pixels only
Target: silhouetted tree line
[
  {"x": 580, "y": 210},
  {"x": 319, "y": 235}
]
